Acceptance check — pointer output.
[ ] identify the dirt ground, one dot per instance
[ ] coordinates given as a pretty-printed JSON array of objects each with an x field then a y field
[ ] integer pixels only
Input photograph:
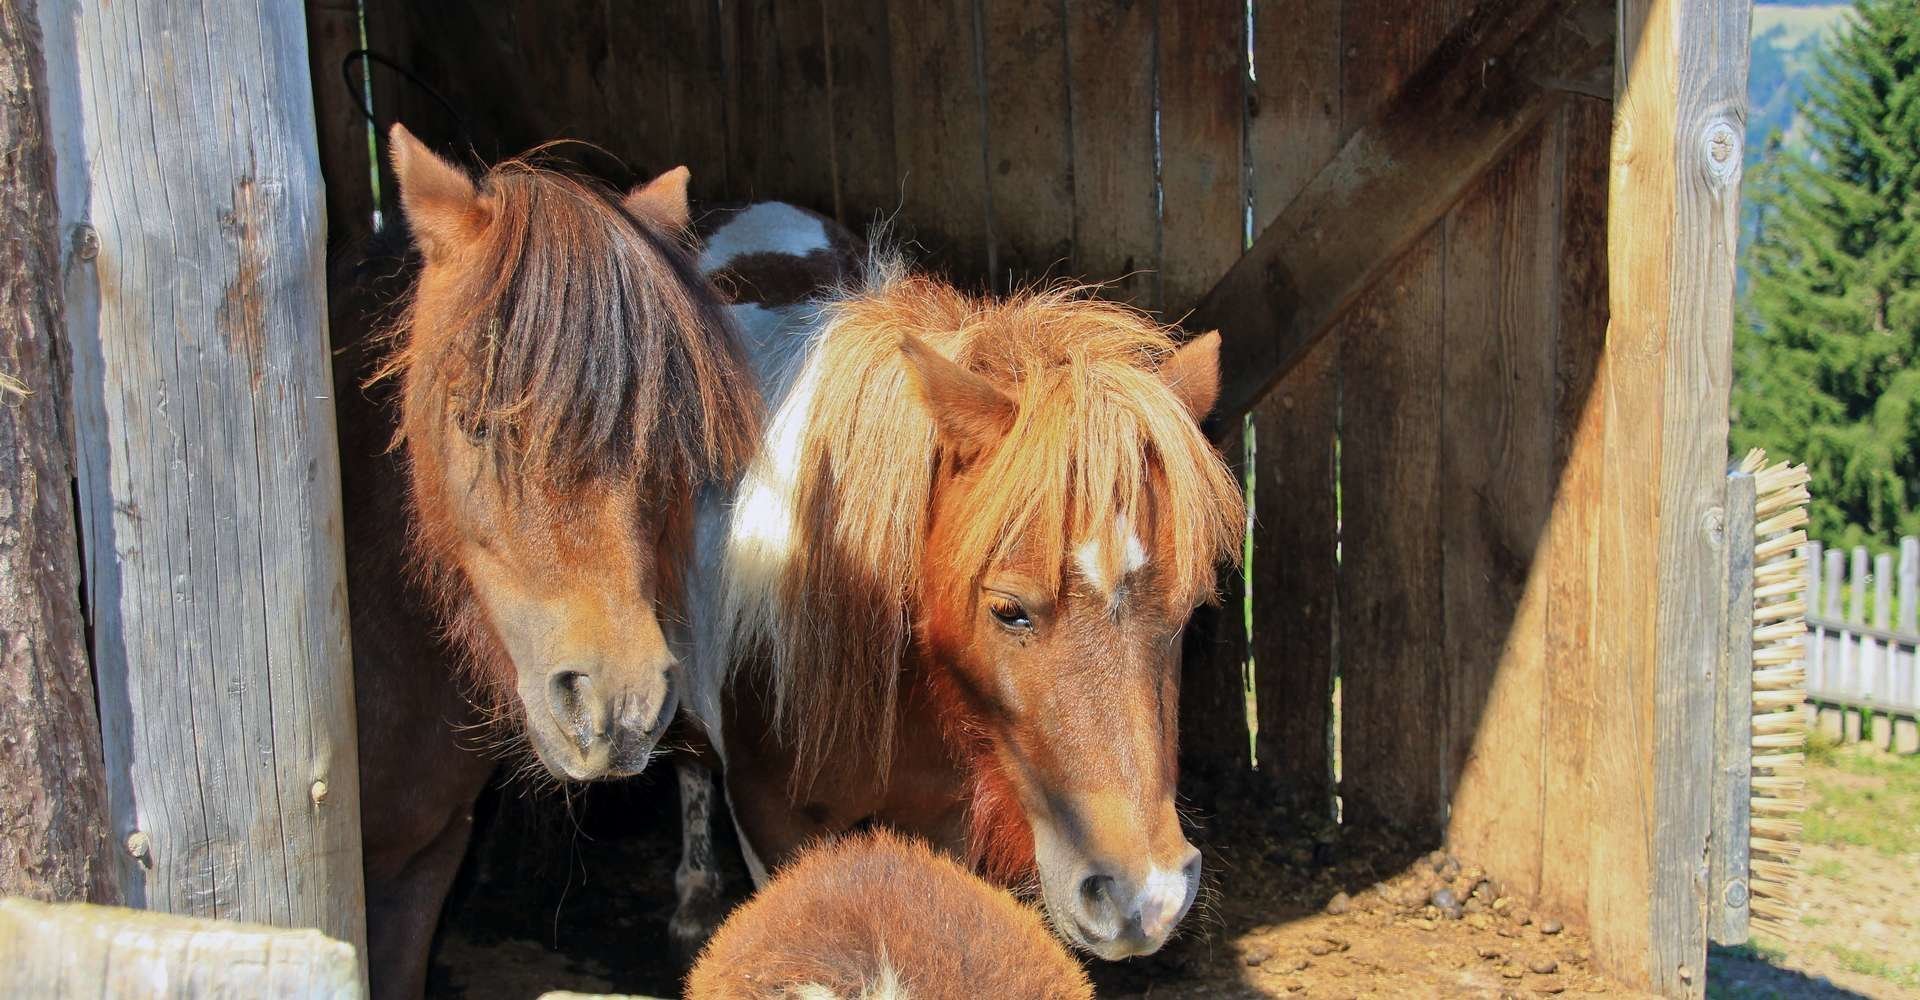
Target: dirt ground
[{"x": 576, "y": 896}]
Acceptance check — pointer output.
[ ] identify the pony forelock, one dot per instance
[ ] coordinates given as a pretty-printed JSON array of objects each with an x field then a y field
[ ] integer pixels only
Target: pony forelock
[{"x": 825, "y": 565}]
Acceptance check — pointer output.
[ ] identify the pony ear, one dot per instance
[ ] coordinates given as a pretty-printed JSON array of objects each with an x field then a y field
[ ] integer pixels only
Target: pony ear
[
  {"x": 663, "y": 200},
  {"x": 1193, "y": 373},
  {"x": 970, "y": 413},
  {"x": 443, "y": 208}
]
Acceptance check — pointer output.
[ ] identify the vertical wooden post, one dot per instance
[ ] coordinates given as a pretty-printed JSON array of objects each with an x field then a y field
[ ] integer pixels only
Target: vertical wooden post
[
  {"x": 333, "y": 31},
  {"x": 53, "y": 813},
  {"x": 1680, "y": 99},
  {"x": 1727, "y": 909},
  {"x": 1816, "y": 633},
  {"x": 209, "y": 480}
]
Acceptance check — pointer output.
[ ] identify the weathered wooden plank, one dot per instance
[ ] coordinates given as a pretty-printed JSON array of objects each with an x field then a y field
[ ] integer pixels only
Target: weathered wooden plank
[
  {"x": 1577, "y": 678},
  {"x": 1029, "y": 143},
  {"x": 80, "y": 951},
  {"x": 862, "y": 97},
  {"x": 208, "y": 472},
  {"x": 1675, "y": 199},
  {"x": 1393, "y": 685},
  {"x": 696, "y": 92},
  {"x": 757, "y": 98},
  {"x": 1111, "y": 52},
  {"x": 1882, "y": 676},
  {"x": 1727, "y": 876},
  {"x": 333, "y": 31},
  {"x": 53, "y": 814},
  {"x": 1457, "y": 114},
  {"x": 1214, "y": 740},
  {"x": 1202, "y": 69},
  {"x": 1293, "y": 577},
  {"x": 1498, "y": 377},
  {"x": 635, "y": 94},
  {"x": 1293, "y": 128},
  {"x": 1907, "y": 619},
  {"x": 939, "y": 136}
]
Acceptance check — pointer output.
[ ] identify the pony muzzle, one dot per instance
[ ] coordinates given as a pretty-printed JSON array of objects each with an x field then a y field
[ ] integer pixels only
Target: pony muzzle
[
  {"x": 594, "y": 728},
  {"x": 1118, "y": 916}
]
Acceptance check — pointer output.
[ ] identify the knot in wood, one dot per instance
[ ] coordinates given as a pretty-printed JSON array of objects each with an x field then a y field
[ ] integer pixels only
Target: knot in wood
[
  {"x": 1722, "y": 143},
  {"x": 86, "y": 242},
  {"x": 139, "y": 844},
  {"x": 318, "y": 791}
]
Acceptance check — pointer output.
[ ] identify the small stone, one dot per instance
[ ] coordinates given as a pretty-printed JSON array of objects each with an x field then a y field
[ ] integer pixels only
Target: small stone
[
  {"x": 1257, "y": 958},
  {"x": 1339, "y": 904},
  {"x": 1502, "y": 905},
  {"x": 1447, "y": 903},
  {"x": 1479, "y": 921},
  {"x": 1339, "y": 944},
  {"x": 1431, "y": 913},
  {"x": 1474, "y": 874},
  {"x": 1543, "y": 966},
  {"x": 1319, "y": 948},
  {"x": 1437, "y": 860},
  {"x": 1301, "y": 965},
  {"x": 1475, "y": 905},
  {"x": 1520, "y": 915},
  {"x": 1550, "y": 926},
  {"x": 1487, "y": 951},
  {"x": 1450, "y": 870},
  {"x": 1506, "y": 932},
  {"x": 1512, "y": 971},
  {"x": 1423, "y": 923},
  {"x": 1550, "y": 987}
]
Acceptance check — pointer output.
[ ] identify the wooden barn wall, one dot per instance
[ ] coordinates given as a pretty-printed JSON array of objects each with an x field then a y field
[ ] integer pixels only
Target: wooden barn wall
[{"x": 1426, "y": 484}]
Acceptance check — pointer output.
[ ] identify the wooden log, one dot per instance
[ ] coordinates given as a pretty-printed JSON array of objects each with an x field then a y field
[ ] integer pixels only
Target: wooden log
[
  {"x": 209, "y": 482},
  {"x": 1673, "y": 213},
  {"x": 1116, "y": 215},
  {"x": 1728, "y": 898},
  {"x": 53, "y": 813},
  {"x": 1481, "y": 91},
  {"x": 79, "y": 951}
]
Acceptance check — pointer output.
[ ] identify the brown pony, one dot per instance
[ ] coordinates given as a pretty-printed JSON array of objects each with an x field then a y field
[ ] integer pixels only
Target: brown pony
[
  {"x": 879, "y": 917},
  {"x": 564, "y": 383},
  {"x": 955, "y": 576}
]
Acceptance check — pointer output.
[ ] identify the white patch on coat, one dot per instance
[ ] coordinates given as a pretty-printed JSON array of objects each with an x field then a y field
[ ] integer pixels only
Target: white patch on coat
[{"x": 767, "y": 227}]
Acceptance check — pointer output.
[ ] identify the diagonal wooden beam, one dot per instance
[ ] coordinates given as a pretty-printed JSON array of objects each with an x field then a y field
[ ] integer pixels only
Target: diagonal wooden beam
[{"x": 1498, "y": 74}]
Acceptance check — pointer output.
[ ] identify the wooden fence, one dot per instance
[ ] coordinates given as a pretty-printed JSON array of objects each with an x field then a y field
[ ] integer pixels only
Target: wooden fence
[{"x": 1864, "y": 619}]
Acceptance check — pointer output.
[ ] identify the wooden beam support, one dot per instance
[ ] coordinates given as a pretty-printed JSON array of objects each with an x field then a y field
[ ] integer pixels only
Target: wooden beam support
[
  {"x": 1493, "y": 78},
  {"x": 189, "y": 188},
  {"x": 1672, "y": 219}
]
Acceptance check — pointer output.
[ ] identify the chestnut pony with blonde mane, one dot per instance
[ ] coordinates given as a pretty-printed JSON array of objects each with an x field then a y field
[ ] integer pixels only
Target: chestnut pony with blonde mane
[
  {"x": 564, "y": 382},
  {"x": 954, "y": 577}
]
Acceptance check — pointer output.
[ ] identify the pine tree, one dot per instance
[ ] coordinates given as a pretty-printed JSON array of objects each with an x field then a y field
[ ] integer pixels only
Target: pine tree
[{"x": 1828, "y": 362}]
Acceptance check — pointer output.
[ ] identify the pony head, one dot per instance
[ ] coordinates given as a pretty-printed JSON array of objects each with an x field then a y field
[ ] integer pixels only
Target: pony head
[
  {"x": 567, "y": 383},
  {"x": 1014, "y": 501}
]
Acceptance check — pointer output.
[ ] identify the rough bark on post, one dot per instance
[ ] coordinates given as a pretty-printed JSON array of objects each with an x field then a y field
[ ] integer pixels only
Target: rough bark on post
[
  {"x": 209, "y": 480},
  {"x": 53, "y": 817}
]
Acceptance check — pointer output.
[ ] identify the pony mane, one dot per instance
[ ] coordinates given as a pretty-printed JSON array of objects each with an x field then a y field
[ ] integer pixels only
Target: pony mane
[
  {"x": 581, "y": 343},
  {"x": 825, "y": 556}
]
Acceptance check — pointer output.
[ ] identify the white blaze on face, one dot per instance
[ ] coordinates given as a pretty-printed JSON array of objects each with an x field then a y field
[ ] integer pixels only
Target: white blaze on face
[{"x": 1101, "y": 570}]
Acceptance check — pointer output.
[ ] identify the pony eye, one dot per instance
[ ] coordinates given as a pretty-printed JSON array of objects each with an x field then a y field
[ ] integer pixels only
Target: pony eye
[
  {"x": 473, "y": 427},
  {"x": 1010, "y": 614}
]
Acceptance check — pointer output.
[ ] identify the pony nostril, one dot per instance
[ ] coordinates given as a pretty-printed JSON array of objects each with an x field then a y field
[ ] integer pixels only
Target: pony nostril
[
  {"x": 1096, "y": 890},
  {"x": 570, "y": 692}
]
